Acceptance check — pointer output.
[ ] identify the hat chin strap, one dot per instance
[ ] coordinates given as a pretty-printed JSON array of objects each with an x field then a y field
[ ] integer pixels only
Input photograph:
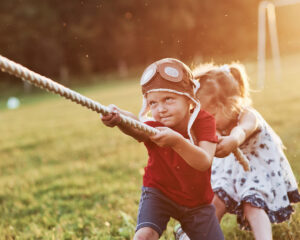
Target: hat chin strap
[
  {"x": 145, "y": 109},
  {"x": 197, "y": 84},
  {"x": 192, "y": 120}
]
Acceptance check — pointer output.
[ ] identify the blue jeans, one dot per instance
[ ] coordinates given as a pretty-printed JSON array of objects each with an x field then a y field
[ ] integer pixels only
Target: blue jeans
[{"x": 155, "y": 210}]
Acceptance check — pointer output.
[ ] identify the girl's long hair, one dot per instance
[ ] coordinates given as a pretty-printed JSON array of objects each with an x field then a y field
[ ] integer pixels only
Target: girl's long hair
[{"x": 233, "y": 82}]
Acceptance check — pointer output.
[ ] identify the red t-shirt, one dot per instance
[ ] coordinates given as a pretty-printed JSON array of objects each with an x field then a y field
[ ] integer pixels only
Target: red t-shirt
[{"x": 169, "y": 173}]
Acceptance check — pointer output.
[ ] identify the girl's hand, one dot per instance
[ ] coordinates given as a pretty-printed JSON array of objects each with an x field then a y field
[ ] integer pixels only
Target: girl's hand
[
  {"x": 113, "y": 118},
  {"x": 166, "y": 137},
  {"x": 225, "y": 146}
]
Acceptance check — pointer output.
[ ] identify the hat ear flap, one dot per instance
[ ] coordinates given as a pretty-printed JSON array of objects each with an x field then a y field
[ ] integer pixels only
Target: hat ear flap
[
  {"x": 144, "y": 110},
  {"x": 197, "y": 86}
]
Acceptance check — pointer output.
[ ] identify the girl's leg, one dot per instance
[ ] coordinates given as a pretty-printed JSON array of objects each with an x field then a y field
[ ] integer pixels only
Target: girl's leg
[
  {"x": 259, "y": 222},
  {"x": 146, "y": 233},
  {"x": 220, "y": 207}
]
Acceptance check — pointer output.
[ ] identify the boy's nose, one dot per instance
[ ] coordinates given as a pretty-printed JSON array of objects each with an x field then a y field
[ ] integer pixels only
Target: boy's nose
[{"x": 161, "y": 108}]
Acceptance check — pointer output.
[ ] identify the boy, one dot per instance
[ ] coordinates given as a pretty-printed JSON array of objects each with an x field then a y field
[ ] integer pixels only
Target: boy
[{"x": 176, "y": 182}]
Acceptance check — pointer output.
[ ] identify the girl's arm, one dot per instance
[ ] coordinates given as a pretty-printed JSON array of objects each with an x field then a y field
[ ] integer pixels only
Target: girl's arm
[
  {"x": 113, "y": 119},
  {"x": 199, "y": 157},
  {"x": 246, "y": 126}
]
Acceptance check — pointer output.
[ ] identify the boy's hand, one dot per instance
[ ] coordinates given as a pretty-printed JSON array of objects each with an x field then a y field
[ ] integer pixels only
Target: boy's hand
[
  {"x": 166, "y": 137},
  {"x": 113, "y": 118},
  {"x": 225, "y": 146}
]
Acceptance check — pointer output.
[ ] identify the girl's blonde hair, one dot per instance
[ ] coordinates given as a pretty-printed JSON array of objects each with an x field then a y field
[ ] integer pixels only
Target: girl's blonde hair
[{"x": 232, "y": 80}]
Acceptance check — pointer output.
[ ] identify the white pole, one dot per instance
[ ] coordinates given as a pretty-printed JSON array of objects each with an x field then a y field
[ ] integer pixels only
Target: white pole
[
  {"x": 261, "y": 48},
  {"x": 274, "y": 40}
]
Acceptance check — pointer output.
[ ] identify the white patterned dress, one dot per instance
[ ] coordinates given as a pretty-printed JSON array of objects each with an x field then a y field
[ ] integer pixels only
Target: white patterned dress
[{"x": 270, "y": 184}]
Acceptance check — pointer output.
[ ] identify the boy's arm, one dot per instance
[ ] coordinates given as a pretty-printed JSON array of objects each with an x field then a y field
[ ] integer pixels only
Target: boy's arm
[
  {"x": 246, "y": 126},
  {"x": 135, "y": 133},
  {"x": 113, "y": 119},
  {"x": 197, "y": 156}
]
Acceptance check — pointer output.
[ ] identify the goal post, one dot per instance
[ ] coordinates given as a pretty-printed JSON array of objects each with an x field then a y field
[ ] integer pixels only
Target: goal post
[{"x": 267, "y": 12}]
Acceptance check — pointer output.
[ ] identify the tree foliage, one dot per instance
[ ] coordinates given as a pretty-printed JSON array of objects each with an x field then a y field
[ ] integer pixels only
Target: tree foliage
[{"x": 91, "y": 36}]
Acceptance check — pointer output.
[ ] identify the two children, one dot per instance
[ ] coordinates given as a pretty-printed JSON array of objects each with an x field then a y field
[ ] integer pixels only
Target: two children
[
  {"x": 177, "y": 177},
  {"x": 176, "y": 182}
]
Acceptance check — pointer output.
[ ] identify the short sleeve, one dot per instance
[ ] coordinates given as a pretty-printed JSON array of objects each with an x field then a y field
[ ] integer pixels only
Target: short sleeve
[
  {"x": 153, "y": 124},
  {"x": 204, "y": 127}
]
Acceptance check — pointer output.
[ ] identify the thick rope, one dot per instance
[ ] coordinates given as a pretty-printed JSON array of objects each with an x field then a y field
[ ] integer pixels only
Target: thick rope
[
  {"x": 242, "y": 159},
  {"x": 40, "y": 81}
]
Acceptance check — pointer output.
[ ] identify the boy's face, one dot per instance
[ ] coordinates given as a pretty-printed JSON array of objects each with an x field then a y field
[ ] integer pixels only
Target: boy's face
[{"x": 170, "y": 109}]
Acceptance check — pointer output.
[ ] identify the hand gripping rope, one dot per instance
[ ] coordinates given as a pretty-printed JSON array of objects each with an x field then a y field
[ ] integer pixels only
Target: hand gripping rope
[{"x": 40, "y": 81}]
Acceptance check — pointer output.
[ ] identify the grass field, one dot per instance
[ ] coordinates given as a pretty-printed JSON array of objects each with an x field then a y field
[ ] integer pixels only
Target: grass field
[{"x": 63, "y": 175}]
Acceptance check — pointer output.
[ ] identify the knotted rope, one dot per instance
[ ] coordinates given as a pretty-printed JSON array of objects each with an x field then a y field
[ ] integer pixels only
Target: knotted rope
[{"x": 40, "y": 81}]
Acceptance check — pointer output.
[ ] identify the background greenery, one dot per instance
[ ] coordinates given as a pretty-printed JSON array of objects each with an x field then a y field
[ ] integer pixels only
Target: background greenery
[
  {"x": 64, "y": 175},
  {"x": 60, "y": 38}
]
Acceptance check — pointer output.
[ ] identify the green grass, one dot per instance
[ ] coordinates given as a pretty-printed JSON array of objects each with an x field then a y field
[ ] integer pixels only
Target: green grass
[{"x": 63, "y": 175}]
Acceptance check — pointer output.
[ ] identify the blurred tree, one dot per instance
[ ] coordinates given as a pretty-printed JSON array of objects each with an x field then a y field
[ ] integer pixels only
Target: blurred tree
[{"x": 54, "y": 37}]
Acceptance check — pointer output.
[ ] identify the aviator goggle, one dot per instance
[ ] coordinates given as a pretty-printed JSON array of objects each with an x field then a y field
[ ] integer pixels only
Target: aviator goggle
[
  {"x": 167, "y": 74},
  {"x": 168, "y": 70}
]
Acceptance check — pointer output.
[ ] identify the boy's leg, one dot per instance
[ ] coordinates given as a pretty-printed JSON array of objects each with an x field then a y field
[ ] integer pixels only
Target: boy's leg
[
  {"x": 259, "y": 222},
  {"x": 154, "y": 214},
  {"x": 202, "y": 223},
  {"x": 220, "y": 207},
  {"x": 220, "y": 211}
]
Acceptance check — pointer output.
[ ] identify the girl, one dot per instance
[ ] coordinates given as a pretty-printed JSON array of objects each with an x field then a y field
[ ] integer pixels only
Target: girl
[
  {"x": 264, "y": 194},
  {"x": 176, "y": 182}
]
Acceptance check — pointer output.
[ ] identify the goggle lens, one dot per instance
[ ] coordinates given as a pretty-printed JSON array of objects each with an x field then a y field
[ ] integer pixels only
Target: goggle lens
[
  {"x": 168, "y": 71},
  {"x": 148, "y": 74},
  {"x": 171, "y": 72}
]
